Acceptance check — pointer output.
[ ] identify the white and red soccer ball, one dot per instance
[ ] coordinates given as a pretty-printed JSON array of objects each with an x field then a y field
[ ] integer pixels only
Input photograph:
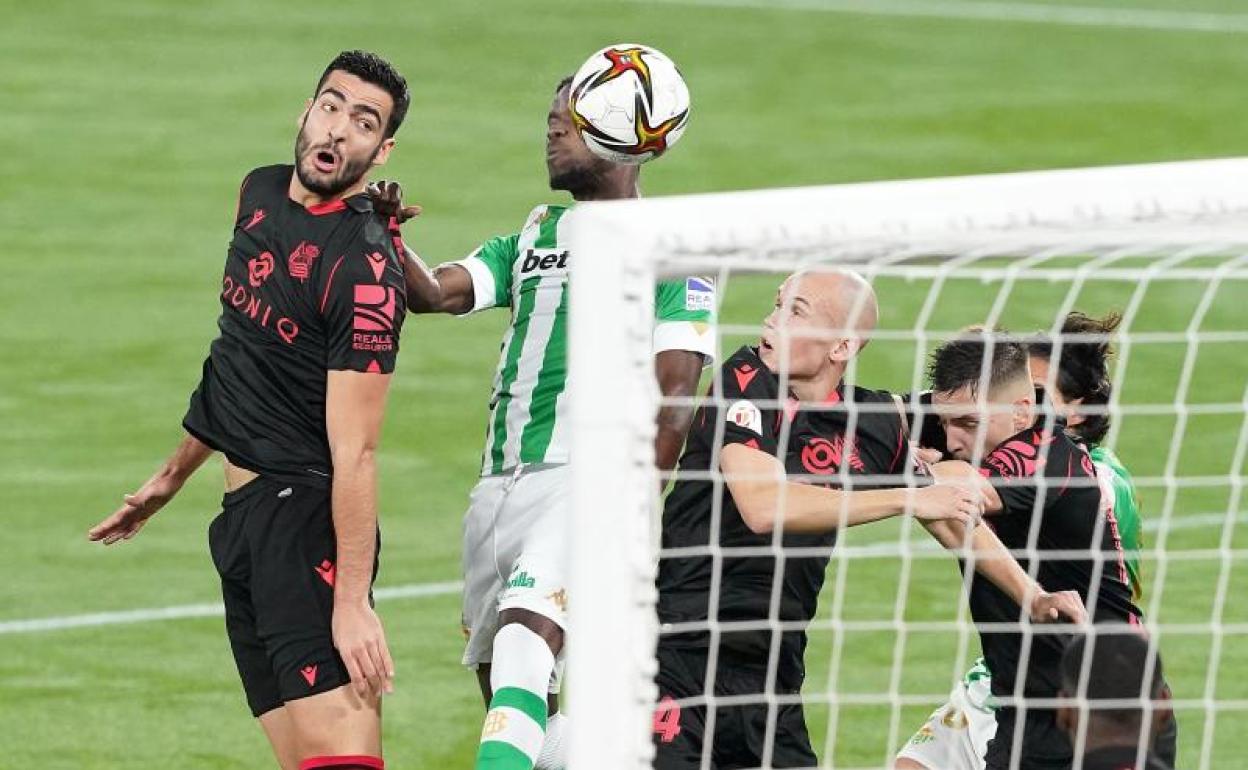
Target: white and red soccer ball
[{"x": 629, "y": 103}]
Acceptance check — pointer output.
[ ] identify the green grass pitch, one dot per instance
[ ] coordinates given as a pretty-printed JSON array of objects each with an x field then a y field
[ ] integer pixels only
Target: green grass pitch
[{"x": 128, "y": 127}]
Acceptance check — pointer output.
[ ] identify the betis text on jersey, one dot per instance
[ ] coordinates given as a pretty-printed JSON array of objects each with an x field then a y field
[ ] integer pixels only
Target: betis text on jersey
[{"x": 528, "y": 273}]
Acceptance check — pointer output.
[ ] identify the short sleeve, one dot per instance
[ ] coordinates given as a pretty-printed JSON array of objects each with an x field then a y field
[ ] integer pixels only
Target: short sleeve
[
  {"x": 1014, "y": 468},
  {"x": 692, "y": 299},
  {"x": 743, "y": 400},
  {"x": 490, "y": 267},
  {"x": 363, "y": 308}
]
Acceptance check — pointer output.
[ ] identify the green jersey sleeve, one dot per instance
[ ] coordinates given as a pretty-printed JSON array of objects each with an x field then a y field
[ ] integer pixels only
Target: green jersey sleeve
[
  {"x": 1119, "y": 489},
  {"x": 490, "y": 267},
  {"x": 684, "y": 314}
]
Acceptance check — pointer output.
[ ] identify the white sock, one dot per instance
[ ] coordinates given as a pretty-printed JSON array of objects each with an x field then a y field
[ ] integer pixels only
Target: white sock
[
  {"x": 554, "y": 755},
  {"x": 515, "y": 723}
]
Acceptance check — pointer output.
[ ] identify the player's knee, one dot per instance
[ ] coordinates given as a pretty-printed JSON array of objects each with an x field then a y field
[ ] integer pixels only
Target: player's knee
[
  {"x": 550, "y": 631},
  {"x": 342, "y": 762}
]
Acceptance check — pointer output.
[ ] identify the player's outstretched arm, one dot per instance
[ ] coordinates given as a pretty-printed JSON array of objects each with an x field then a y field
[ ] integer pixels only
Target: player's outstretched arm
[
  {"x": 444, "y": 289},
  {"x": 992, "y": 559},
  {"x": 767, "y": 500},
  {"x": 137, "y": 508},
  {"x": 354, "y": 406}
]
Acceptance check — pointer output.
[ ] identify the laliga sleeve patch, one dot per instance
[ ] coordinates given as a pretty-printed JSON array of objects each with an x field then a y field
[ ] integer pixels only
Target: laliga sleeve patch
[
  {"x": 744, "y": 414},
  {"x": 699, "y": 294}
]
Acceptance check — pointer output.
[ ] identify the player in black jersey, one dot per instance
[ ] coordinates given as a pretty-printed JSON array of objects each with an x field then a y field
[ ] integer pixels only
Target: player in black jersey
[
  {"x": 1042, "y": 495},
  {"x": 797, "y": 466},
  {"x": 292, "y": 394}
]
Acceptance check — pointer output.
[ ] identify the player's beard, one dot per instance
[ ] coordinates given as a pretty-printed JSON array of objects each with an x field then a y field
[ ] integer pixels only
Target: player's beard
[
  {"x": 349, "y": 171},
  {"x": 582, "y": 180}
]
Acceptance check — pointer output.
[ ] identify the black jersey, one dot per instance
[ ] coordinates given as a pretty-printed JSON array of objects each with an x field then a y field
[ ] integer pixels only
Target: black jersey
[
  {"x": 1047, "y": 483},
  {"x": 305, "y": 291},
  {"x": 746, "y": 407},
  {"x": 1121, "y": 758}
]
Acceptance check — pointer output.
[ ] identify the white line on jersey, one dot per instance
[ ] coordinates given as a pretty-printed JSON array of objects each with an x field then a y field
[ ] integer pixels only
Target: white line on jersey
[{"x": 1027, "y": 13}]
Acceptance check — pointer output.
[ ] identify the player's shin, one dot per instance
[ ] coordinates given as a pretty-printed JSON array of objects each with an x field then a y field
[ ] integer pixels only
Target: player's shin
[{"x": 515, "y": 724}]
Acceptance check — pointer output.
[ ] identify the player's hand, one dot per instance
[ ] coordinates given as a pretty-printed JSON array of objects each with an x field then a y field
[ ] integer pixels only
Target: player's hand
[
  {"x": 947, "y": 501},
  {"x": 135, "y": 510},
  {"x": 387, "y": 198},
  {"x": 362, "y": 644},
  {"x": 1055, "y": 607}
]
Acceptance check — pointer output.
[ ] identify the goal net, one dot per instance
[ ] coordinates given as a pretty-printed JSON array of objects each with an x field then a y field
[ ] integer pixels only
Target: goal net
[{"x": 1164, "y": 245}]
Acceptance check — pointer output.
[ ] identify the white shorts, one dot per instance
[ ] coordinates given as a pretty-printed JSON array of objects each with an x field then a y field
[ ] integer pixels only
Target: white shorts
[
  {"x": 954, "y": 737},
  {"x": 515, "y": 554}
]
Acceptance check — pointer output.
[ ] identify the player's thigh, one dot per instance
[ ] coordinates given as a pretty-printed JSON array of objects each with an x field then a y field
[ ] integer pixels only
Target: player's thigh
[
  {"x": 337, "y": 723},
  {"x": 679, "y": 731},
  {"x": 232, "y": 557},
  {"x": 954, "y": 737},
  {"x": 535, "y": 518},
  {"x": 294, "y": 568},
  {"x": 784, "y": 726},
  {"x": 280, "y": 731},
  {"x": 483, "y": 574}
]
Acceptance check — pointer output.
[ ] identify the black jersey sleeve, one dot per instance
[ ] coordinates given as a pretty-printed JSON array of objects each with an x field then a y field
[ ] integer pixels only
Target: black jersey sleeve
[
  {"x": 1035, "y": 463},
  {"x": 363, "y": 305},
  {"x": 743, "y": 399}
]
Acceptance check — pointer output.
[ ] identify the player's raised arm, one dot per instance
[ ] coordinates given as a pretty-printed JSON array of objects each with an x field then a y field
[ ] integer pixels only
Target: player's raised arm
[
  {"x": 137, "y": 508},
  {"x": 444, "y": 289},
  {"x": 992, "y": 559}
]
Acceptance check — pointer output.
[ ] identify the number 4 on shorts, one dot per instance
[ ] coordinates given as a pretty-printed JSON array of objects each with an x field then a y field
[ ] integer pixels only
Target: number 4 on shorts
[{"x": 667, "y": 719}]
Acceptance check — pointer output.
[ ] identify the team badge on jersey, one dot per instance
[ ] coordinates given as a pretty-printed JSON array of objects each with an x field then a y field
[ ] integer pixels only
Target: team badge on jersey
[
  {"x": 745, "y": 415},
  {"x": 699, "y": 294}
]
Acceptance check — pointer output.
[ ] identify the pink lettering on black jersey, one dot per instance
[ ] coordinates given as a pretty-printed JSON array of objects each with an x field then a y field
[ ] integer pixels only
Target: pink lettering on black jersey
[
  {"x": 373, "y": 323},
  {"x": 822, "y": 456},
  {"x": 299, "y": 263}
]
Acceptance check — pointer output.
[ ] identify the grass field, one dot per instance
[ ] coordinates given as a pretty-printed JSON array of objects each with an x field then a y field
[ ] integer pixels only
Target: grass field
[{"x": 129, "y": 127}]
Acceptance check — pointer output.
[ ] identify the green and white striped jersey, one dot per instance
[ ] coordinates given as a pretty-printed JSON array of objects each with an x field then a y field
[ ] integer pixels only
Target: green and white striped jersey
[{"x": 528, "y": 272}]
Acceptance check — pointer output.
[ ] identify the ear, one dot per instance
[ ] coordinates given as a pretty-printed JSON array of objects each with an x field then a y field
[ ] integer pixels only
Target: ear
[
  {"x": 845, "y": 349},
  {"x": 1023, "y": 413},
  {"x": 383, "y": 152},
  {"x": 303, "y": 116}
]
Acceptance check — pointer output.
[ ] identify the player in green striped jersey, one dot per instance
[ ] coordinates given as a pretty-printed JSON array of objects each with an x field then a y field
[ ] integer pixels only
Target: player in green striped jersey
[
  {"x": 956, "y": 735},
  {"x": 514, "y": 549}
]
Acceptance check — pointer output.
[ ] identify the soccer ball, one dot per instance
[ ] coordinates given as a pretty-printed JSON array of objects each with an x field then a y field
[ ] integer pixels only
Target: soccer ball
[{"x": 629, "y": 103}]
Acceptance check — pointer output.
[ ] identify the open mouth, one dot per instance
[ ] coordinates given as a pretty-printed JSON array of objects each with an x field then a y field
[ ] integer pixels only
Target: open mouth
[
  {"x": 324, "y": 161},
  {"x": 763, "y": 344}
]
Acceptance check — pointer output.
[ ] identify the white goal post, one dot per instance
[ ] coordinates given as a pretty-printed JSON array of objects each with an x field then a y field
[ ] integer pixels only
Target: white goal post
[{"x": 1160, "y": 218}]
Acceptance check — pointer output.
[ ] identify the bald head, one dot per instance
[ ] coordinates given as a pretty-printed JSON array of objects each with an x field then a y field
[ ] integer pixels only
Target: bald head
[
  {"x": 843, "y": 302},
  {"x": 821, "y": 319}
]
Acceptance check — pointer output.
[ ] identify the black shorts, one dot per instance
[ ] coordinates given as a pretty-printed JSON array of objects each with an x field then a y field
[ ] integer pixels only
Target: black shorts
[
  {"x": 740, "y": 731},
  {"x": 273, "y": 545}
]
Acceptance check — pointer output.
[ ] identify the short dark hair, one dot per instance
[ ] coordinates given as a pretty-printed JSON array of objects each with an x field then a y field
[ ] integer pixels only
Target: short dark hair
[
  {"x": 1121, "y": 658},
  {"x": 564, "y": 83},
  {"x": 960, "y": 362},
  {"x": 371, "y": 68},
  {"x": 1082, "y": 367}
]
